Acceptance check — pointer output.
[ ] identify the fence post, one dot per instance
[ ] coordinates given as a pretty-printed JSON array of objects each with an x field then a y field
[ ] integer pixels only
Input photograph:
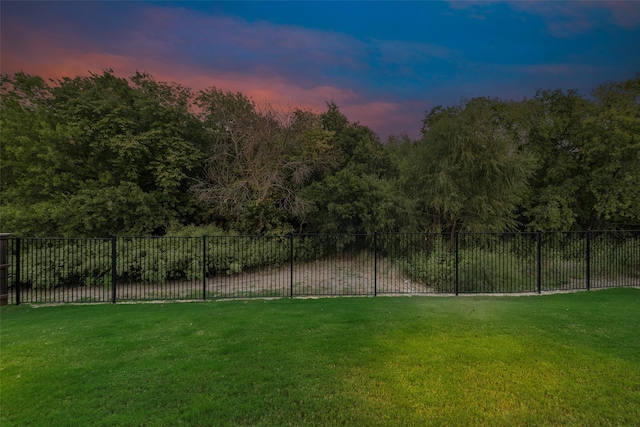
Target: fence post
[
  {"x": 375, "y": 263},
  {"x": 456, "y": 240},
  {"x": 588, "y": 259},
  {"x": 291, "y": 265},
  {"x": 18, "y": 267},
  {"x": 204, "y": 267},
  {"x": 4, "y": 269},
  {"x": 539, "y": 262},
  {"x": 113, "y": 269}
]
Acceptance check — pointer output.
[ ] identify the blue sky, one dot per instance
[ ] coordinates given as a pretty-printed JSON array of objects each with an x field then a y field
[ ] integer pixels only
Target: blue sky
[{"x": 383, "y": 63}]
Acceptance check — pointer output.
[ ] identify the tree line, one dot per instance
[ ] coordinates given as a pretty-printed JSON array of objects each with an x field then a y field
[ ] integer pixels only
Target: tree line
[{"x": 104, "y": 155}]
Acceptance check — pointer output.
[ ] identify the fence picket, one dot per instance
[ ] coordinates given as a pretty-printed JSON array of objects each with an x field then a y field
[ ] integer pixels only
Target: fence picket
[{"x": 148, "y": 268}]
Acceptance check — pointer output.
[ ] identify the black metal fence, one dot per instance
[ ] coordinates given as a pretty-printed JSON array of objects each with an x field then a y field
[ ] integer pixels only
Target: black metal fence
[{"x": 46, "y": 270}]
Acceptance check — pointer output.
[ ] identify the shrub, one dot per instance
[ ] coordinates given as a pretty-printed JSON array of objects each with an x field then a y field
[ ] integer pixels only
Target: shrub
[
  {"x": 434, "y": 268},
  {"x": 495, "y": 271},
  {"x": 486, "y": 263},
  {"x": 56, "y": 262}
]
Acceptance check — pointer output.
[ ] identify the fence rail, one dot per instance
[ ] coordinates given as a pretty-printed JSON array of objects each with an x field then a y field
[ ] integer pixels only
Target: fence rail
[{"x": 45, "y": 270}]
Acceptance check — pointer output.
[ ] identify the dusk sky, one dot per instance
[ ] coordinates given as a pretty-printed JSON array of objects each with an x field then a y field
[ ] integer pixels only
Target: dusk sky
[{"x": 383, "y": 63}]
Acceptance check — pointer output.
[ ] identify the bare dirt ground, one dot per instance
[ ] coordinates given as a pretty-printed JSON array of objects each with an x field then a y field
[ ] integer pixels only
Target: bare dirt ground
[{"x": 354, "y": 276}]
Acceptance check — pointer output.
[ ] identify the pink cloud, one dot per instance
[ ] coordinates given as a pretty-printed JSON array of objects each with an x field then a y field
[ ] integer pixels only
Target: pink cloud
[
  {"x": 566, "y": 18},
  {"x": 562, "y": 18},
  {"x": 626, "y": 13},
  {"x": 52, "y": 55},
  {"x": 389, "y": 117},
  {"x": 256, "y": 44}
]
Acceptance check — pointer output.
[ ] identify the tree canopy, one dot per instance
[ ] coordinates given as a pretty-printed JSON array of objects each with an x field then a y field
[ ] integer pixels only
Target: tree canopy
[
  {"x": 102, "y": 155},
  {"x": 468, "y": 172},
  {"x": 98, "y": 155}
]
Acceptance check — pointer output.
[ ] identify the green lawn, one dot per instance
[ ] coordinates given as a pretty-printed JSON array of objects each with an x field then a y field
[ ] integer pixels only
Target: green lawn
[{"x": 565, "y": 359}]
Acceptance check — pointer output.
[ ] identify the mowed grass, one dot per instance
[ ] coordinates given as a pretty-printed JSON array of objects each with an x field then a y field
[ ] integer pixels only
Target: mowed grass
[{"x": 564, "y": 359}]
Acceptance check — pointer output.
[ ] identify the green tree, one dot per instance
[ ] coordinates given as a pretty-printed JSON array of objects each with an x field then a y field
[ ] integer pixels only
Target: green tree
[
  {"x": 361, "y": 193},
  {"x": 587, "y": 153},
  {"x": 29, "y": 156},
  {"x": 552, "y": 125},
  {"x": 468, "y": 172},
  {"x": 351, "y": 202},
  {"x": 104, "y": 155},
  {"x": 357, "y": 145},
  {"x": 611, "y": 157}
]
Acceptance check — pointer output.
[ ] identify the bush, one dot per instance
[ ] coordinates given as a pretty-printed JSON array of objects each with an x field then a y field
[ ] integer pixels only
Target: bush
[
  {"x": 434, "y": 268},
  {"x": 614, "y": 256},
  {"x": 486, "y": 263},
  {"x": 495, "y": 271},
  {"x": 47, "y": 263},
  {"x": 235, "y": 254}
]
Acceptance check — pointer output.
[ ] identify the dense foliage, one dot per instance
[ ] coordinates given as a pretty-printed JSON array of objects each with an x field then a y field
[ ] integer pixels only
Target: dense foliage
[
  {"x": 98, "y": 155},
  {"x": 104, "y": 155}
]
